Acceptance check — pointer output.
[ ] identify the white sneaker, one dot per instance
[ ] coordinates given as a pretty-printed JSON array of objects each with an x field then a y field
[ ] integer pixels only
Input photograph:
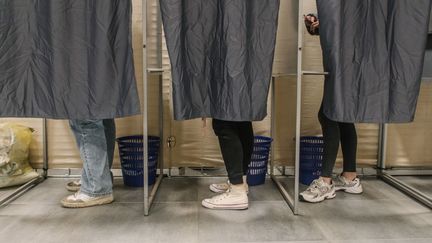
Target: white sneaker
[
  {"x": 220, "y": 187},
  {"x": 81, "y": 200},
  {"x": 318, "y": 191},
  {"x": 342, "y": 184},
  {"x": 224, "y": 187},
  {"x": 235, "y": 198},
  {"x": 74, "y": 186}
]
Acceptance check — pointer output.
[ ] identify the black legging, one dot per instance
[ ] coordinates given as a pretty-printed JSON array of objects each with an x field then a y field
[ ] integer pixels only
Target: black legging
[
  {"x": 236, "y": 143},
  {"x": 333, "y": 132}
]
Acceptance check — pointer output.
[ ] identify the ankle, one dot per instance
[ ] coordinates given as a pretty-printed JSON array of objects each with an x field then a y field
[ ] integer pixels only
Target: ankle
[
  {"x": 327, "y": 180},
  {"x": 350, "y": 176},
  {"x": 238, "y": 188}
]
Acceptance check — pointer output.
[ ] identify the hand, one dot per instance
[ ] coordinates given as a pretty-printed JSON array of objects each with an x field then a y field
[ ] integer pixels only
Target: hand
[
  {"x": 312, "y": 24},
  {"x": 315, "y": 26},
  {"x": 310, "y": 18}
]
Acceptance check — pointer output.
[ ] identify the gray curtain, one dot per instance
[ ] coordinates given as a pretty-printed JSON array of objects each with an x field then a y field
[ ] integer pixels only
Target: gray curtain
[
  {"x": 374, "y": 52},
  {"x": 221, "y": 53},
  {"x": 66, "y": 59}
]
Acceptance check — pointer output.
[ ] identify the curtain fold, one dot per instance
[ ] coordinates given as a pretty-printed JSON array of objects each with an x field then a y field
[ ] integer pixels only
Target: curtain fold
[
  {"x": 374, "y": 51},
  {"x": 221, "y": 54},
  {"x": 67, "y": 59}
]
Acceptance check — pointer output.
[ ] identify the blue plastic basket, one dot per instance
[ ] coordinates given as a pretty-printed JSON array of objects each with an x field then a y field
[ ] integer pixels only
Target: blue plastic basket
[
  {"x": 131, "y": 158},
  {"x": 258, "y": 167},
  {"x": 311, "y": 155}
]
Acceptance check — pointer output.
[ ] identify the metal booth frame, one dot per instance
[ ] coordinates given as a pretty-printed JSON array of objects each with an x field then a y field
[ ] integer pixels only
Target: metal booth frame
[
  {"x": 387, "y": 176},
  {"x": 292, "y": 200},
  {"x": 150, "y": 193}
]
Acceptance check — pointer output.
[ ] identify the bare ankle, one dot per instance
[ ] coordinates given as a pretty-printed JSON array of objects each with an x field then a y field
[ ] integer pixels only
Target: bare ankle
[{"x": 350, "y": 176}]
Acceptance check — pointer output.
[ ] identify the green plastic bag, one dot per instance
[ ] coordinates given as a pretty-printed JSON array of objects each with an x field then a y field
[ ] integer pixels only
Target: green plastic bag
[{"x": 15, "y": 142}]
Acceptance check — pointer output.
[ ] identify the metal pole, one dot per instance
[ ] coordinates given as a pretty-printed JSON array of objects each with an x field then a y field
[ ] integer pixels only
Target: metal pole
[
  {"x": 273, "y": 123},
  {"x": 299, "y": 106},
  {"x": 161, "y": 126},
  {"x": 409, "y": 190},
  {"x": 382, "y": 147},
  {"x": 161, "y": 106},
  {"x": 45, "y": 147},
  {"x": 284, "y": 192},
  {"x": 159, "y": 34},
  {"x": 389, "y": 179},
  {"x": 314, "y": 73},
  {"x": 21, "y": 190},
  {"x": 145, "y": 110}
]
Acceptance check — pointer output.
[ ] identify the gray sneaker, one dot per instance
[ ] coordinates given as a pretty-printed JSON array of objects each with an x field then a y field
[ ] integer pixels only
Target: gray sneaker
[
  {"x": 318, "y": 191},
  {"x": 342, "y": 184}
]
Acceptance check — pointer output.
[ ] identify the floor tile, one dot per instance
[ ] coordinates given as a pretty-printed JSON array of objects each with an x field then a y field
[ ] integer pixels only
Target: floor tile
[
  {"x": 263, "y": 221},
  {"x": 381, "y": 214}
]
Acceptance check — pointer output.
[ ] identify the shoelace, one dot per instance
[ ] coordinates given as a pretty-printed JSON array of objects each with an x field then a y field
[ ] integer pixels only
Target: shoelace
[
  {"x": 221, "y": 197},
  {"x": 313, "y": 186},
  {"x": 316, "y": 187}
]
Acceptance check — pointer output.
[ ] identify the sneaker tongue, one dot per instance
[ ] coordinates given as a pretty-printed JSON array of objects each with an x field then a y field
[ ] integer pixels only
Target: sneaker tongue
[
  {"x": 316, "y": 184},
  {"x": 343, "y": 179},
  {"x": 321, "y": 182}
]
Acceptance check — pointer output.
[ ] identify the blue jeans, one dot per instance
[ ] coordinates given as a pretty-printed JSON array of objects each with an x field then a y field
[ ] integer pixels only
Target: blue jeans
[{"x": 96, "y": 142}]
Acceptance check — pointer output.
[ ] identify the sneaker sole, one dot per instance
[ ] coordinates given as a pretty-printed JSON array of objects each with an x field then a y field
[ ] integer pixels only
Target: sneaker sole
[
  {"x": 358, "y": 190},
  {"x": 242, "y": 206},
  {"x": 319, "y": 199},
  {"x": 92, "y": 203}
]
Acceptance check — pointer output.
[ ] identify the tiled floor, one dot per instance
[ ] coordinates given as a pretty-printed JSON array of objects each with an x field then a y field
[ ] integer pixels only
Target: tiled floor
[{"x": 381, "y": 214}]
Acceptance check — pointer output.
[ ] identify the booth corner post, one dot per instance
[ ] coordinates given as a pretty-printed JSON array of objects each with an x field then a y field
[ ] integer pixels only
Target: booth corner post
[
  {"x": 293, "y": 200},
  {"x": 45, "y": 148},
  {"x": 144, "y": 109},
  {"x": 5, "y": 200},
  {"x": 382, "y": 148},
  {"x": 149, "y": 196},
  {"x": 299, "y": 107}
]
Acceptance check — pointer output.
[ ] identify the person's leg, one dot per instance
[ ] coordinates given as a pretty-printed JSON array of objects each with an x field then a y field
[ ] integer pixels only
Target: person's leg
[
  {"x": 348, "y": 181},
  {"x": 331, "y": 137},
  {"x": 231, "y": 149},
  {"x": 323, "y": 188},
  {"x": 110, "y": 135},
  {"x": 348, "y": 138},
  {"x": 96, "y": 184},
  {"x": 247, "y": 141},
  {"x": 232, "y": 152}
]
